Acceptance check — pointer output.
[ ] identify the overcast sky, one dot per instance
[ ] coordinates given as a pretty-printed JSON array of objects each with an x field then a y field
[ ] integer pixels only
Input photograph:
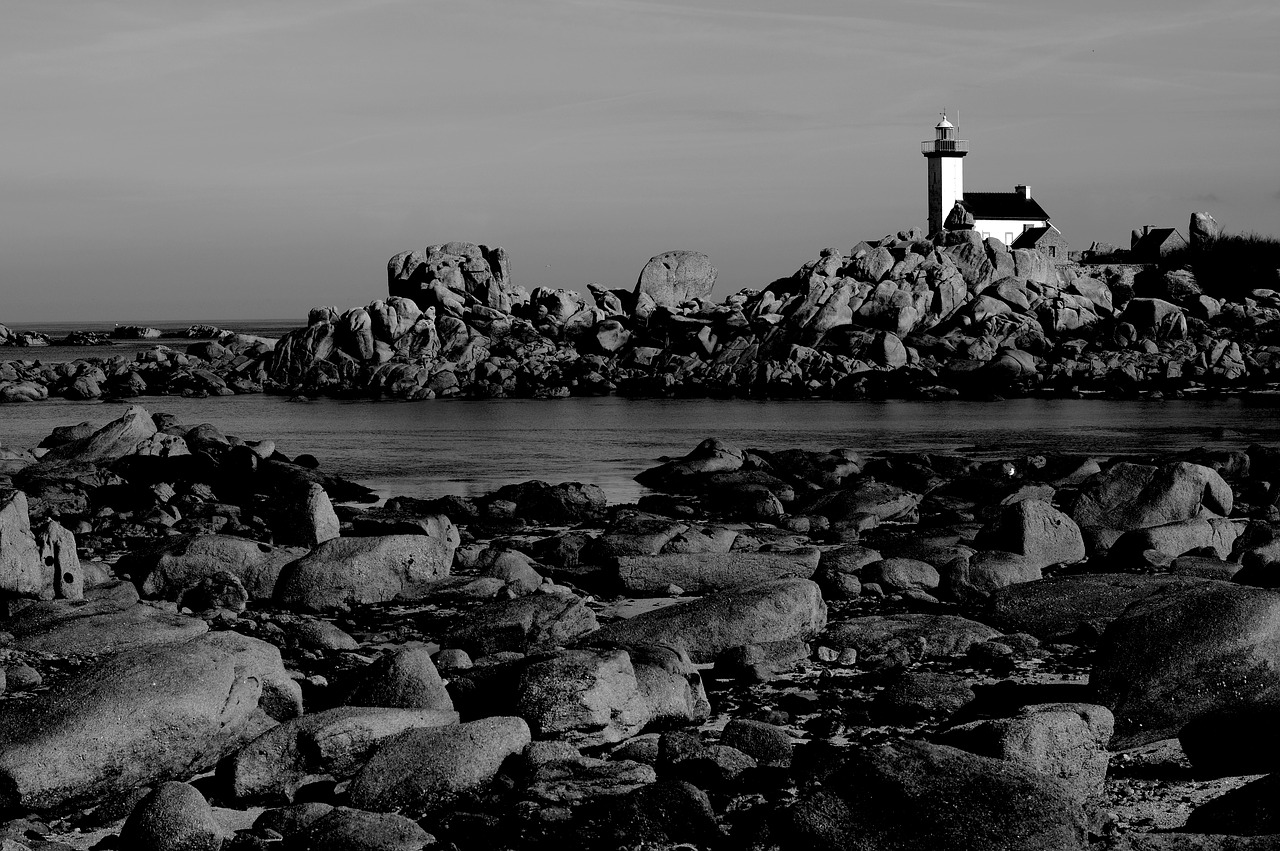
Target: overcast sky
[{"x": 242, "y": 158}]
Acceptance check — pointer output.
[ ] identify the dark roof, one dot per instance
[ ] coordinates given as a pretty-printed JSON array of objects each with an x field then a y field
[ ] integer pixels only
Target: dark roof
[
  {"x": 1033, "y": 237},
  {"x": 1002, "y": 205},
  {"x": 1155, "y": 238}
]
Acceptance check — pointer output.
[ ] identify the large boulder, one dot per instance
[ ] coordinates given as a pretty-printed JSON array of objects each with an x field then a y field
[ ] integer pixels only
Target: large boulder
[
  {"x": 771, "y": 611},
  {"x": 334, "y": 743},
  {"x": 21, "y": 569},
  {"x": 150, "y": 714},
  {"x": 1136, "y": 496},
  {"x": 916, "y": 796},
  {"x": 896, "y": 639},
  {"x": 688, "y": 473},
  {"x": 1185, "y": 653},
  {"x": 406, "y": 679},
  {"x": 1036, "y": 530},
  {"x": 183, "y": 564},
  {"x": 459, "y": 268},
  {"x": 552, "y": 505},
  {"x": 346, "y": 571},
  {"x": 587, "y": 697},
  {"x": 173, "y": 817},
  {"x": 1203, "y": 229},
  {"x": 523, "y": 625},
  {"x": 60, "y": 558},
  {"x": 116, "y": 439},
  {"x": 675, "y": 277},
  {"x": 347, "y": 829},
  {"x": 1248, "y": 810},
  {"x": 1154, "y": 317},
  {"x": 1075, "y": 608},
  {"x": 705, "y": 572},
  {"x": 108, "y": 620},
  {"x": 427, "y": 767},
  {"x": 1063, "y": 740}
]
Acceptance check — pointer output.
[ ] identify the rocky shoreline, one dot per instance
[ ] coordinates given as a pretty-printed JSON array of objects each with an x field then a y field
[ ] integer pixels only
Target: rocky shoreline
[
  {"x": 210, "y": 644},
  {"x": 908, "y": 316}
]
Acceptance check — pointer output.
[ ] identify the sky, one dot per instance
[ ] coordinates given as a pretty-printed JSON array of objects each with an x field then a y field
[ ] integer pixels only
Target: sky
[{"x": 250, "y": 159}]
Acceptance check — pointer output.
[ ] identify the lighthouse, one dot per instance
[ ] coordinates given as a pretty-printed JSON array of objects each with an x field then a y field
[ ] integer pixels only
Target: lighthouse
[{"x": 945, "y": 153}]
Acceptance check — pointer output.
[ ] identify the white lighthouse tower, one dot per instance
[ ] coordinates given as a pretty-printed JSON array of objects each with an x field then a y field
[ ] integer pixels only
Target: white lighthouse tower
[{"x": 945, "y": 154}]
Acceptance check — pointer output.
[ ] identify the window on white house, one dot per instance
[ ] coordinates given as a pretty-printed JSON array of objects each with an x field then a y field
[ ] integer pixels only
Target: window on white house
[{"x": 1008, "y": 238}]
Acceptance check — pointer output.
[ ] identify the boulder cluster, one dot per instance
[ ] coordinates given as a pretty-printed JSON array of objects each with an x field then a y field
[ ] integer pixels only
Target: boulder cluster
[
  {"x": 208, "y": 644},
  {"x": 909, "y": 316}
]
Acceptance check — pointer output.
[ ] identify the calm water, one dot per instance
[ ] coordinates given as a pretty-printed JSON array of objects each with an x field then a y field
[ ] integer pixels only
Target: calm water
[{"x": 429, "y": 449}]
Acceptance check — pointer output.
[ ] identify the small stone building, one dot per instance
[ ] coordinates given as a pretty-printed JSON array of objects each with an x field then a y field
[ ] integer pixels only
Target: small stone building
[
  {"x": 1046, "y": 240},
  {"x": 1148, "y": 244}
]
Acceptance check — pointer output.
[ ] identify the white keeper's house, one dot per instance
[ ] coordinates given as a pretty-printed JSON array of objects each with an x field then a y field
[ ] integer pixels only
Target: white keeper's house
[{"x": 1014, "y": 218}]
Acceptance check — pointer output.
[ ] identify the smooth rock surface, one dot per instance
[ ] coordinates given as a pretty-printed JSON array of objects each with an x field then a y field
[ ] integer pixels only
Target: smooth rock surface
[
  {"x": 421, "y": 768},
  {"x": 772, "y": 611},
  {"x": 152, "y": 713},
  {"x": 346, "y": 571}
]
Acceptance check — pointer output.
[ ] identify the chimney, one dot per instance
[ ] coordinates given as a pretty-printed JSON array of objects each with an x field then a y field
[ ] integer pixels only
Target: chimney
[{"x": 1023, "y": 190}]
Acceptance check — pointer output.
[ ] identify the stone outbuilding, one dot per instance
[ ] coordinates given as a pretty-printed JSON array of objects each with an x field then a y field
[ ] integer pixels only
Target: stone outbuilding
[
  {"x": 1149, "y": 244},
  {"x": 1046, "y": 240}
]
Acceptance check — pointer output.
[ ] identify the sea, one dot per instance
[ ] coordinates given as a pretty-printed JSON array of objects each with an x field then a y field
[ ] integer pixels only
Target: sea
[{"x": 471, "y": 447}]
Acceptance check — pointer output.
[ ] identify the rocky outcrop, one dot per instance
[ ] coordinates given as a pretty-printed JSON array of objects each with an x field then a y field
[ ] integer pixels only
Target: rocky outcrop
[
  {"x": 453, "y": 274},
  {"x": 908, "y": 315}
]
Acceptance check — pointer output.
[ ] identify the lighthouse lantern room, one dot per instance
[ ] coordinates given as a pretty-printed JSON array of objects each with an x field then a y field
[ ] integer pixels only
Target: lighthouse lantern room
[{"x": 945, "y": 154}]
